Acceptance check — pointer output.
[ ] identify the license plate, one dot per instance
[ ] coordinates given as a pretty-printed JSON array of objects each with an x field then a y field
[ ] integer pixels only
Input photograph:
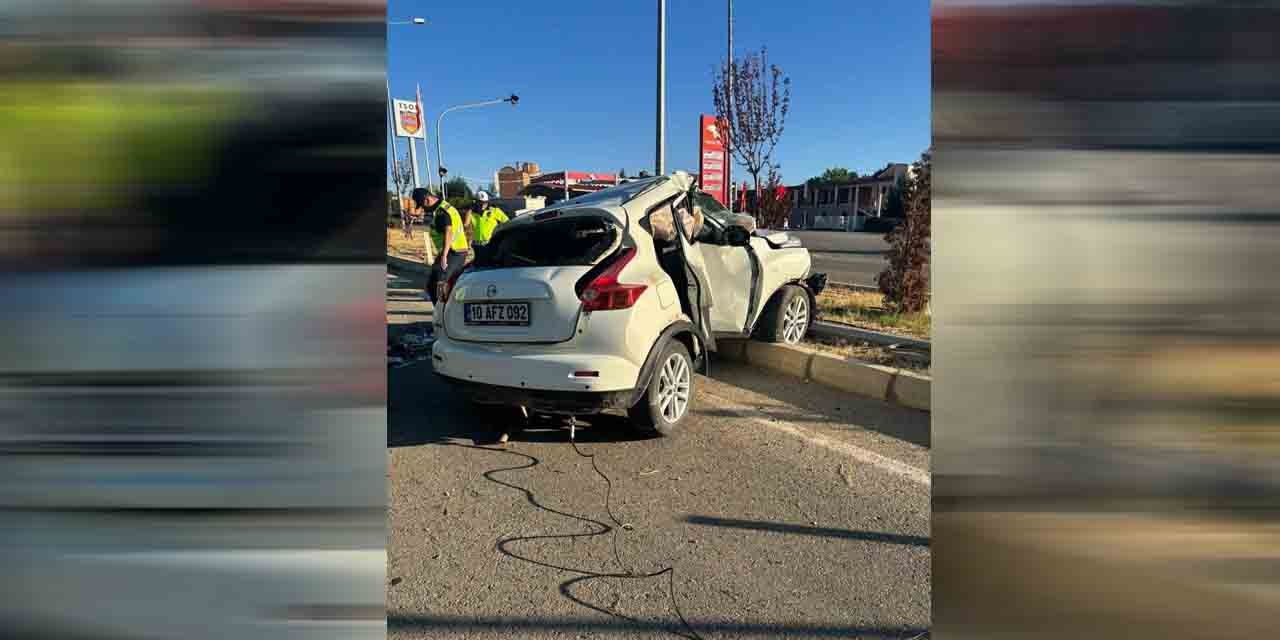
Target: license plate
[{"x": 507, "y": 314}]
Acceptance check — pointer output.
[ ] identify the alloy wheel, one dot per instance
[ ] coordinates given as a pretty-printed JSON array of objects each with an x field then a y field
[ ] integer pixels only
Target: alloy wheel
[
  {"x": 795, "y": 320},
  {"x": 673, "y": 387}
]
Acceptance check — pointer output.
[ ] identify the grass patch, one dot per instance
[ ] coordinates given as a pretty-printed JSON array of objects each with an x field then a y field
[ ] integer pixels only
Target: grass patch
[
  {"x": 402, "y": 247},
  {"x": 866, "y": 352},
  {"x": 866, "y": 309}
]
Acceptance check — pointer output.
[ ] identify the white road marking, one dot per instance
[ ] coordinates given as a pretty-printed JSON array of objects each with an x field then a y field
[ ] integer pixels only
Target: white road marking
[{"x": 918, "y": 476}]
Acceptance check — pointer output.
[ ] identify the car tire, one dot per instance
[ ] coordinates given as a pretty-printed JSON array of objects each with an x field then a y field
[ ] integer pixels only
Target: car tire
[
  {"x": 666, "y": 402},
  {"x": 788, "y": 317}
]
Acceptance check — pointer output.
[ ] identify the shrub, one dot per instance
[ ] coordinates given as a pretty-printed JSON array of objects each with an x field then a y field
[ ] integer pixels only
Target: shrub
[{"x": 905, "y": 281}]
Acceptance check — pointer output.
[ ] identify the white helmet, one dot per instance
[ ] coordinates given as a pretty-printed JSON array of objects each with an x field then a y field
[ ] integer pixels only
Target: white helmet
[{"x": 482, "y": 196}]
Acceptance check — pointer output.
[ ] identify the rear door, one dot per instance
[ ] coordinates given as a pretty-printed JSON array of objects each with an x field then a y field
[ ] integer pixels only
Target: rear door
[{"x": 523, "y": 287}]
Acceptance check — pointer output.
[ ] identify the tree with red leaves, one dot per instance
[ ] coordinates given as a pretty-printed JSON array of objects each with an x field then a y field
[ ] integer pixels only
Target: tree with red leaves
[{"x": 773, "y": 206}]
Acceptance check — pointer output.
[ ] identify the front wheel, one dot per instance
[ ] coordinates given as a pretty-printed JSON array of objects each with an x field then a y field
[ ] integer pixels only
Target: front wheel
[
  {"x": 788, "y": 319},
  {"x": 666, "y": 401}
]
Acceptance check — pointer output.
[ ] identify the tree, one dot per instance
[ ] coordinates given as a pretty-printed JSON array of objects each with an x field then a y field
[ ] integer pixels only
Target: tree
[
  {"x": 458, "y": 190},
  {"x": 893, "y": 205},
  {"x": 393, "y": 209},
  {"x": 773, "y": 206},
  {"x": 905, "y": 281},
  {"x": 835, "y": 175},
  {"x": 402, "y": 179},
  {"x": 752, "y": 121}
]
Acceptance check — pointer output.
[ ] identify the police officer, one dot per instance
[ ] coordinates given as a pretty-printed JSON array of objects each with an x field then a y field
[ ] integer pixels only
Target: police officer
[
  {"x": 449, "y": 237},
  {"x": 486, "y": 219}
]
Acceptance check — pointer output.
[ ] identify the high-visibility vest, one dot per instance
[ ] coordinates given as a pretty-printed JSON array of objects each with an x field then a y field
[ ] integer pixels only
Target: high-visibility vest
[
  {"x": 455, "y": 220},
  {"x": 485, "y": 223}
]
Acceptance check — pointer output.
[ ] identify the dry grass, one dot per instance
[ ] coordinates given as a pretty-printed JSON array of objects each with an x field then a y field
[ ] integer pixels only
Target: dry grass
[
  {"x": 866, "y": 310},
  {"x": 401, "y": 247},
  {"x": 865, "y": 352}
]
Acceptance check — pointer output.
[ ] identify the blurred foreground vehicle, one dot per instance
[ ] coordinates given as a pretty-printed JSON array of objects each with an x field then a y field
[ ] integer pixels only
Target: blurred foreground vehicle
[
  {"x": 192, "y": 389},
  {"x": 1106, "y": 320}
]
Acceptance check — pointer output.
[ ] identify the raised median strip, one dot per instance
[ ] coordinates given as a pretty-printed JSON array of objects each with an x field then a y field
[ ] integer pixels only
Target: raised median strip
[{"x": 891, "y": 384}]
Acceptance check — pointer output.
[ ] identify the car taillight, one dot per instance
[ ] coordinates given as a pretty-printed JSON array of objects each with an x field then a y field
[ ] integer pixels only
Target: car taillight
[
  {"x": 448, "y": 285},
  {"x": 605, "y": 293}
]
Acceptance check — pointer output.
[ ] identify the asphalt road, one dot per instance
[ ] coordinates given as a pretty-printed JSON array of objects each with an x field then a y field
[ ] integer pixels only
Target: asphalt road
[
  {"x": 852, "y": 257},
  {"x": 801, "y": 513}
]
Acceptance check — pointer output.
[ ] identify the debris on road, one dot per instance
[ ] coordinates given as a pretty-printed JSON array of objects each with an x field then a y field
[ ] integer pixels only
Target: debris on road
[{"x": 409, "y": 347}]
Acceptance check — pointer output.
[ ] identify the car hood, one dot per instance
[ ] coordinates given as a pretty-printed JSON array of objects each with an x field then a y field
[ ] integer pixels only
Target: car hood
[{"x": 778, "y": 238}]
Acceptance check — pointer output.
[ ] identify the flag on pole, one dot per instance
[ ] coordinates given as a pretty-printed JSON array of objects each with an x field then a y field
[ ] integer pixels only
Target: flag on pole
[{"x": 421, "y": 115}]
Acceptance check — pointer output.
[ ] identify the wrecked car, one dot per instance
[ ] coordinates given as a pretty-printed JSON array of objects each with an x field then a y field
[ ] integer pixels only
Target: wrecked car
[{"x": 612, "y": 300}]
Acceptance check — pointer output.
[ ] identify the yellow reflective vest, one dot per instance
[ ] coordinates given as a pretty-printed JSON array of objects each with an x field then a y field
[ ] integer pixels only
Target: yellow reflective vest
[
  {"x": 485, "y": 223},
  {"x": 455, "y": 220}
]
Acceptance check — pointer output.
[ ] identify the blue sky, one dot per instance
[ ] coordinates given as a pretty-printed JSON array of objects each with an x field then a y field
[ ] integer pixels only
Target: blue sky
[{"x": 585, "y": 74}]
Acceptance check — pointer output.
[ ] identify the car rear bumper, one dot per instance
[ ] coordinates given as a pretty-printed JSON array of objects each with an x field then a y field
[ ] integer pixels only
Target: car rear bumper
[
  {"x": 575, "y": 402},
  {"x": 515, "y": 367}
]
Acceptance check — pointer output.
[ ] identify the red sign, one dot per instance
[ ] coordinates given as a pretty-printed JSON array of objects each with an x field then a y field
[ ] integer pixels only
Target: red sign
[{"x": 711, "y": 159}]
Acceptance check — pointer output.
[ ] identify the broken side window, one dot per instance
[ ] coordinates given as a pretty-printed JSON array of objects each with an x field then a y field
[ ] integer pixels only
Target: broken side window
[{"x": 577, "y": 241}]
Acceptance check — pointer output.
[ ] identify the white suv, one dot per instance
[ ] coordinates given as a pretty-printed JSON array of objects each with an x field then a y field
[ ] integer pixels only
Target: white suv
[{"x": 612, "y": 300}]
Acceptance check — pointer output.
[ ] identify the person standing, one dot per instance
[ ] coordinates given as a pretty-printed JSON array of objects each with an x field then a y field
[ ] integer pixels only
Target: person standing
[
  {"x": 450, "y": 240},
  {"x": 487, "y": 219}
]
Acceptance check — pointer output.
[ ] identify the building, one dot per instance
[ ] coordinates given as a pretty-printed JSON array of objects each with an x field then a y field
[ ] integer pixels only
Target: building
[
  {"x": 519, "y": 204},
  {"x": 562, "y": 185},
  {"x": 510, "y": 180},
  {"x": 845, "y": 206}
]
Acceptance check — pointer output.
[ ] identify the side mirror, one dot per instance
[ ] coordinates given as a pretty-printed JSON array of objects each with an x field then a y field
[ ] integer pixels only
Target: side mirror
[{"x": 736, "y": 236}]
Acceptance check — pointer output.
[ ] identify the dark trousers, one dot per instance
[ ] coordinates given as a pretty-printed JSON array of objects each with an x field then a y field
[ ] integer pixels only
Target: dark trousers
[{"x": 457, "y": 260}]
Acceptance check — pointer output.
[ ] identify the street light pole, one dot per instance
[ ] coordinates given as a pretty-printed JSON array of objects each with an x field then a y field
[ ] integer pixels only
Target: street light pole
[
  {"x": 660, "y": 161},
  {"x": 413, "y": 148},
  {"x": 728, "y": 140},
  {"x": 444, "y": 193}
]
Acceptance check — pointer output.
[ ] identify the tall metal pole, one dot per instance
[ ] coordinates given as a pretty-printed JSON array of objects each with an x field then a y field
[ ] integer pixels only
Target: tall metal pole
[
  {"x": 426, "y": 145},
  {"x": 728, "y": 140},
  {"x": 660, "y": 162},
  {"x": 395, "y": 162},
  {"x": 444, "y": 191},
  {"x": 413, "y": 159}
]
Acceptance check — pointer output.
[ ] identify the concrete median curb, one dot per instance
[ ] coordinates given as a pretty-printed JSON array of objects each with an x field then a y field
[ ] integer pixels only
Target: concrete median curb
[{"x": 891, "y": 384}]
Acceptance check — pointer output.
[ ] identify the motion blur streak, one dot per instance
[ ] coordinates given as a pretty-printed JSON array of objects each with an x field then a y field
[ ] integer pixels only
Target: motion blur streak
[
  {"x": 192, "y": 378},
  {"x": 1108, "y": 324}
]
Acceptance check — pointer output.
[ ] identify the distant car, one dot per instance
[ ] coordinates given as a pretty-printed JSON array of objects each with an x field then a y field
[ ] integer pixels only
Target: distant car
[{"x": 612, "y": 300}]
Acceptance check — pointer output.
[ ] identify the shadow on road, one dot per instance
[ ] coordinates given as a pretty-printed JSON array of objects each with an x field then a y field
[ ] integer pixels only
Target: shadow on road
[
  {"x": 824, "y": 406},
  {"x": 590, "y": 429},
  {"x": 778, "y": 527},
  {"x": 619, "y": 623},
  {"x": 471, "y": 624}
]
